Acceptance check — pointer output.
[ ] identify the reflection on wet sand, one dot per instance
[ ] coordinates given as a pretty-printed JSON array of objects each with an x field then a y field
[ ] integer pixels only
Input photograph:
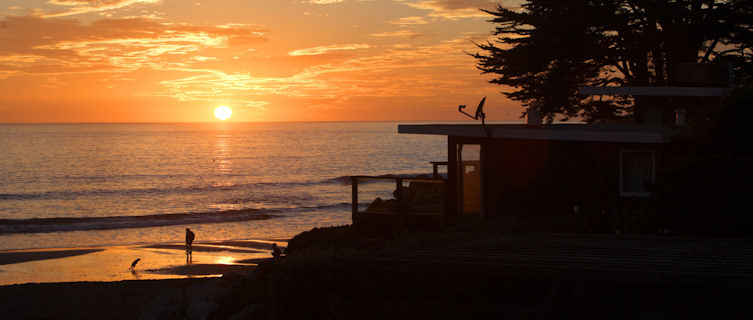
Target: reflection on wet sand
[{"x": 226, "y": 260}]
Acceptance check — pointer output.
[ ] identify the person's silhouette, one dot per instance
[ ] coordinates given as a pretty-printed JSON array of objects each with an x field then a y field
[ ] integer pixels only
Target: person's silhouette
[
  {"x": 189, "y": 241},
  {"x": 276, "y": 251}
]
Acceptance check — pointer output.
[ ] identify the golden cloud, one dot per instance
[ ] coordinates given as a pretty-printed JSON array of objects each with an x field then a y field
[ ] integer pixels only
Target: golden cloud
[
  {"x": 453, "y": 9},
  {"x": 35, "y": 45},
  {"x": 325, "y": 49},
  {"x": 324, "y": 1},
  {"x": 400, "y": 33},
  {"x": 87, "y": 6},
  {"x": 414, "y": 20},
  {"x": 398, "y": 72}
]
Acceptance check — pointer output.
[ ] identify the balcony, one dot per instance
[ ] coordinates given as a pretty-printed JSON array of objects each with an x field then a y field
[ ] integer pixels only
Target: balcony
[{"x": 396, "y": 202}]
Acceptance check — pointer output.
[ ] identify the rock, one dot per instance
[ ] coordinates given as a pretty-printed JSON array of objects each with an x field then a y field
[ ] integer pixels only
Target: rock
[
  {"x": 377, "y": 203},
  {"x": 201, "y": 310},
  {"x": 381, "y": 206},
  {"x": 341, "y": 308},
  {"x": 168, "y": 305},
  {"x": 254, "y": 311},
  {"x": 213, "y": 296},
  {"x": 205, "y": 298},
  {"x": 198, "y": 290},
  {"x": 210, "y": 291},
  {"x": 231, "y": 280}
]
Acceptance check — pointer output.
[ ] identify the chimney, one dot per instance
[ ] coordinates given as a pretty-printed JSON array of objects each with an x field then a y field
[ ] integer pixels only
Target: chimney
[{"x": 533, "y": 117}]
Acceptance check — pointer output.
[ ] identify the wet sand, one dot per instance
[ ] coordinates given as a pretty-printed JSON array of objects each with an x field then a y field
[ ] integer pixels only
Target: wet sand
[{"x": 25, "y": 256}]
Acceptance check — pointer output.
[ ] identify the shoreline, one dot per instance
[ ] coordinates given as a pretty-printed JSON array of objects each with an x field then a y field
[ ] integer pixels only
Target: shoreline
[{"x": 111, "y": 263}]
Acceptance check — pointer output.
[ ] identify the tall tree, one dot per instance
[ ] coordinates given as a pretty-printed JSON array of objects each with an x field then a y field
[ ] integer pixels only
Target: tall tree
[{"x": 546, "y": 49}]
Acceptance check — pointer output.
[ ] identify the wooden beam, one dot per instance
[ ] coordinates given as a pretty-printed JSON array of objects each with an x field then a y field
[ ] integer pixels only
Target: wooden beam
[{"x": 655, "y": 91}]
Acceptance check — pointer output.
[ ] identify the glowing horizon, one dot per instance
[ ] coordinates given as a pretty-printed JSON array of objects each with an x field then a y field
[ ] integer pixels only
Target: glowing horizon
[{"x": 171, "y": 61}]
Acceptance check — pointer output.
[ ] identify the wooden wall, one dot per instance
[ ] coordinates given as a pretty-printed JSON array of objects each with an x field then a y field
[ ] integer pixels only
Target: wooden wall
[{"x": 546, "y": 177}]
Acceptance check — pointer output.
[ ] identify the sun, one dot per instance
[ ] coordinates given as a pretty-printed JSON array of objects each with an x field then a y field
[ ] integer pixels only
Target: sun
[{"x": 223, "y": 112}]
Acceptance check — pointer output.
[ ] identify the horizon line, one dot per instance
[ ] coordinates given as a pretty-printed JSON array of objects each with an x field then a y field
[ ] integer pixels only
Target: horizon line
[{"x": 240, "y": 122}]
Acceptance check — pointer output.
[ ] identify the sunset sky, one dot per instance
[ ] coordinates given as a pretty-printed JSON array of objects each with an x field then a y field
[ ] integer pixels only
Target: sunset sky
[{"x": 268, "y": 60}]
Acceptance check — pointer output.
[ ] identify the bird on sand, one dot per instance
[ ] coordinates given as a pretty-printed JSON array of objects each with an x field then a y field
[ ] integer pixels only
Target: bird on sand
[{"x": 133, "y": 264}]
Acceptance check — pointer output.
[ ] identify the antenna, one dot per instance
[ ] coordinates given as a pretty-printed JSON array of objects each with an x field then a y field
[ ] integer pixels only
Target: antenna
[{"x": 479, "y": 114}]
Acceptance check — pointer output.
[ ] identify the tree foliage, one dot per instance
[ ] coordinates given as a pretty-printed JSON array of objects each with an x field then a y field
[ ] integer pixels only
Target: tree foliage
[
  {"x": 546, "y": 49},
  {"x": 706, "y": 191}
]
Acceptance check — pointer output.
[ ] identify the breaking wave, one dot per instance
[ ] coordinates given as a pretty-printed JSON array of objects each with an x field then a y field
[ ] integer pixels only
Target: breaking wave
[{"x": 40, "y": 225}]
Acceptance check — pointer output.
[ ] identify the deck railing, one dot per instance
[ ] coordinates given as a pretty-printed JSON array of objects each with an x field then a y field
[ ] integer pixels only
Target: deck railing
[{"x": 421, "y": 197}]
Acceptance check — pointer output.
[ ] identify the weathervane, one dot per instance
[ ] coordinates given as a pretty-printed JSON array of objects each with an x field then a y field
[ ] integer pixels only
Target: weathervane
[{"x": 479, "y": 114}]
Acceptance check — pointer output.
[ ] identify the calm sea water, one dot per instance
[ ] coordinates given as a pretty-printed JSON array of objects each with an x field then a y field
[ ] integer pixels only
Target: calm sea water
[{"x": 71, "y": 185}]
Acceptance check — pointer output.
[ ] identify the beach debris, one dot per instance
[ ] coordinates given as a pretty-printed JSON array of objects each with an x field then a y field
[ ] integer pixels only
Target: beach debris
[{"x": 133, "y": 264}]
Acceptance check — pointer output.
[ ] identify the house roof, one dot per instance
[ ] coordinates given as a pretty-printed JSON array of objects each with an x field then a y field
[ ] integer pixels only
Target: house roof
[
  {"x": 655, "y": 91},
  {"x": 614, "y": 132}
]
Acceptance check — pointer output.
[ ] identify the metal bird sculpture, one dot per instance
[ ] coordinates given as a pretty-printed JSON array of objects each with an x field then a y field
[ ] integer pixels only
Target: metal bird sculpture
[{"x": 133, "y": 264}]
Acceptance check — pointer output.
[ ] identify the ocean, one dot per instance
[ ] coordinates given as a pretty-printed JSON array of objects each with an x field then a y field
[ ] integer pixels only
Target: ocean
[{"x": 84, "y": 185}]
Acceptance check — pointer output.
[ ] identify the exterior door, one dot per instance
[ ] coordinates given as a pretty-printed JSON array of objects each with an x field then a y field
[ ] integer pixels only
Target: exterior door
[{"x": 469, "y": 178}]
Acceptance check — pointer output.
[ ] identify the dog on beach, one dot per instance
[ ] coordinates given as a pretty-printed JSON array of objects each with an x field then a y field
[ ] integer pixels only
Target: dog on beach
[{"x": 133, "y": 264}]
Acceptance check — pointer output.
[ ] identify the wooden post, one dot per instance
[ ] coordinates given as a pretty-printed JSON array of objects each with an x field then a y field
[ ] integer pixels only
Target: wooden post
[
  {"x": 483, "y": 168},
  {"x": 451, "y": 184},
  {"x": 398, "y": 195},
  {"x": 354, "y": 191}
]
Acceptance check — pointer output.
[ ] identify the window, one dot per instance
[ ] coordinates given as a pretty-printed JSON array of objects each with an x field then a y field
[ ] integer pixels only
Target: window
[{"x": 636, "y": 172}]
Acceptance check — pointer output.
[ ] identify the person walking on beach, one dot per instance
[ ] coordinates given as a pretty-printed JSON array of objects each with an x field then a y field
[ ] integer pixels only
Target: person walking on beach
[{"x": 189, "y": 240}]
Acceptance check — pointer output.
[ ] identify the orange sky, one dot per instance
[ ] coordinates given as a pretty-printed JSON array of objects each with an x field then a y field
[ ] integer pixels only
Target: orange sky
[{"x": 269, "y": 60}]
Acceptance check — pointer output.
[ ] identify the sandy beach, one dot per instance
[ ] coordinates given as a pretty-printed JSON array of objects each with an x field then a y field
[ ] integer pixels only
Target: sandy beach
[
  {"x": 158, "y": 261},
  {"x": 96, "y": 283}
]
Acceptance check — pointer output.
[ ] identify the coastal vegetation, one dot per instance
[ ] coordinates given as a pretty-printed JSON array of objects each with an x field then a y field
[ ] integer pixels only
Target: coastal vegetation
[
  {"x": 707, "y": 192},
  {"x": 332, "y": 273},
  {"x": 546, "y": 49}
]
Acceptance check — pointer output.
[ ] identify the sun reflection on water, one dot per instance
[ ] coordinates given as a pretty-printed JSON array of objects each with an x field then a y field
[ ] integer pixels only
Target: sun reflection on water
[{"x": 222, "y": 154}]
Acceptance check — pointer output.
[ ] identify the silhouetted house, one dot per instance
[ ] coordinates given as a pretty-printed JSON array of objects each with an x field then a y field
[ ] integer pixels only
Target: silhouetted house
[{"x": 528, "y": 169}]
